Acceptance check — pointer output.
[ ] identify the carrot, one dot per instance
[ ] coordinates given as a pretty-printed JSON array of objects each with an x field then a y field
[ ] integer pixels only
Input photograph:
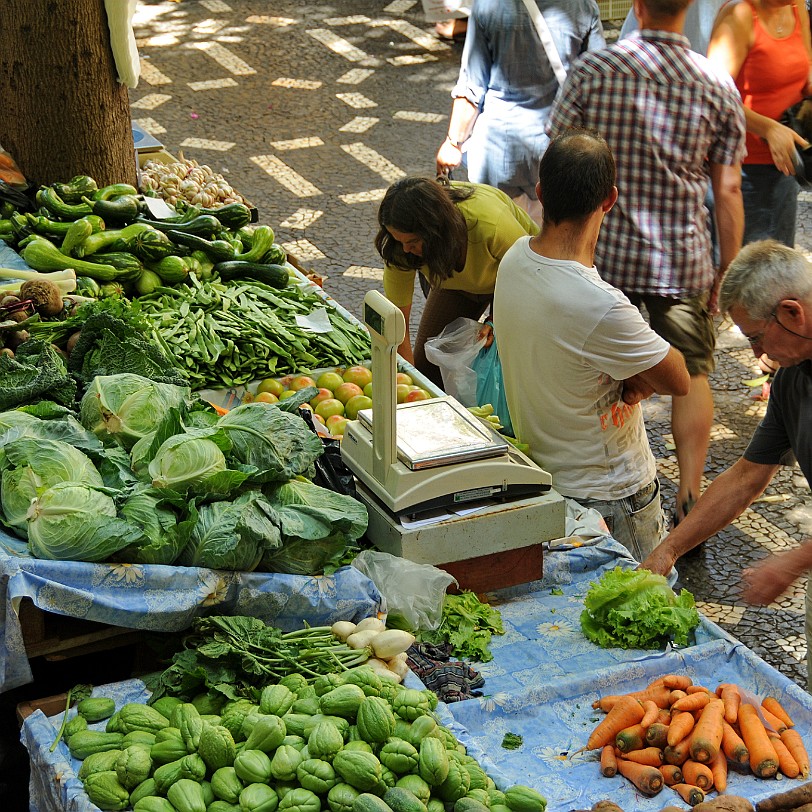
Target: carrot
[
  {"x": 676, "y": 681},
  {"x": 649, "y": 780},
  {"x": 631, "y": 738},
  {"x": 627, "y": 711},
  {"x": 696, "y": 689},
  {"x": 690, "y": 794},
  {"x": 657, "y": 735},
  {"x": 795, "y": 744},
  {"x": 692, "y": 702},
  {"x": 707, "y": 735},
  {"x": 699, "y": 775},
  {"x": 681, "y": 726},
  {"x": 729, "y": 694},
  {"x": 733, "y": 745},
  {"x": 679, "y": 753},
  {"x": 786, "y": 763},
  {"x": 719, "y": 769},
  {"x": 763, "y": 758},
  {"x": 775, "y": 722},
  {"x": 664, "y": 717},
  {"x": 771, "y": 704},
  {"x": 657, "y": 693},
  {"x": 652, "y": 756},
  {"x": 676, "y": 695},
  {"x": 608, "y": 762},
  {"x": 651, "y": 713},
  {"x": 672, "y": 774}
]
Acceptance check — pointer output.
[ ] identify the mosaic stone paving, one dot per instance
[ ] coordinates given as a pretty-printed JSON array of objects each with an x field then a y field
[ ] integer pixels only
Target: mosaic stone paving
[{"x": 311, "y": 111}]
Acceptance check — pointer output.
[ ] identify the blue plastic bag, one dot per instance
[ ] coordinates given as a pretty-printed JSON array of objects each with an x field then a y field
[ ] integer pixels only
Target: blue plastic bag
[{"x": 490, "y": 386}]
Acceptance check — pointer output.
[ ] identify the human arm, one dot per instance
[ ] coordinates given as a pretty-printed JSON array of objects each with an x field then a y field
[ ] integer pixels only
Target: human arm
[
  {"x": 769, "y": 578},
  {"x": 726, "y": 498},
  {"x": 668, "y": 377},
  {"x": 729, "y": 214},
  {"x": 405, "y": 348},
  {"x": 463, "y": 116}
]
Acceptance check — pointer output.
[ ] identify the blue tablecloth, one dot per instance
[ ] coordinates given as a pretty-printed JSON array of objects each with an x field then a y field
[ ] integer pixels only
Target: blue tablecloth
[
  {"x": 540, "y": 685},
  {"x": 164, "y": 598}
]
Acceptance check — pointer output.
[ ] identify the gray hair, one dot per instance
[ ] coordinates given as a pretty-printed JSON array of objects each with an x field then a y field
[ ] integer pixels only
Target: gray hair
[{"x": 763, "y": 274}]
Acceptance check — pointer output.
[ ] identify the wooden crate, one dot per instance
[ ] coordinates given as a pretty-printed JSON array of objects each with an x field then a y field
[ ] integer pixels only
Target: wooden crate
[
  {"x": 486, "y": 573},
  {"x": 59, "y": 637},
  {"x": 49, "y": 705}
]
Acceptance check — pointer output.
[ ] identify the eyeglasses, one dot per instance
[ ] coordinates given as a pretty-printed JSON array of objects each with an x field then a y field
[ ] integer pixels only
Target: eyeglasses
[{"x": 759, "y": 337}]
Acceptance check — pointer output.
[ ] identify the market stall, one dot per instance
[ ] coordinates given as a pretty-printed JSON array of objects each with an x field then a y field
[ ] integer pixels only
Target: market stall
[{"x": 540, "y": 686}]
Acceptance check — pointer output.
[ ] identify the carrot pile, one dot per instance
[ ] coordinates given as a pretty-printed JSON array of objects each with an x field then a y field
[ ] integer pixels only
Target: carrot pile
[{"x": 677, "y": 734}]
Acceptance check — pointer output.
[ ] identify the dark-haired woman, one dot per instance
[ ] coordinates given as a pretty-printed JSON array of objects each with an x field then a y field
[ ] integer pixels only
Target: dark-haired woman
[{"x": 455, "y": 235}]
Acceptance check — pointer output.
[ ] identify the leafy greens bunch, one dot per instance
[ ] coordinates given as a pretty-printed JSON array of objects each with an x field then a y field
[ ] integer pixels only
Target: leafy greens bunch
[
  {"x": 148, "y": 474},
  {"x": 637, "y": 609}
]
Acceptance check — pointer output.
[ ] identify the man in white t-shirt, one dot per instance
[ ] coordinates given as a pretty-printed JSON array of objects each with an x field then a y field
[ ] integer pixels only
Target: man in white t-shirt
[{"x": 577, "y": 356}]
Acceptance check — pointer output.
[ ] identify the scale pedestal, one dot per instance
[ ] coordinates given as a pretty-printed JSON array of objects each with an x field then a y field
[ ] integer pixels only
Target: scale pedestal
[
  {"x": 499, "y": 546},
  {"x": 434, "y": 454}
]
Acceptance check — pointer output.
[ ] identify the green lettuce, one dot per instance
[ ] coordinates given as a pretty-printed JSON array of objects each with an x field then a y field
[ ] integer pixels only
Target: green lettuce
[{"x": 637, "y": 609}]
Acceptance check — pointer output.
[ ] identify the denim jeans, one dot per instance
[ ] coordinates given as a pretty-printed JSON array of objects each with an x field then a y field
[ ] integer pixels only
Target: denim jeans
[
  {"x": 770, "y": 204},
  {"x": 637, "y": 521}
]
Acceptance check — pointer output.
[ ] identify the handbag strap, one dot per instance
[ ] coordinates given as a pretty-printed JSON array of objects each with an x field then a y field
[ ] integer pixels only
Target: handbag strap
[{"x": 547, "y": 41}]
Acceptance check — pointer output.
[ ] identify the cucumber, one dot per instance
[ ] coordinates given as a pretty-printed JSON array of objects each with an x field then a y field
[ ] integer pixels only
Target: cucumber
[{"x": 275, "y": 276}]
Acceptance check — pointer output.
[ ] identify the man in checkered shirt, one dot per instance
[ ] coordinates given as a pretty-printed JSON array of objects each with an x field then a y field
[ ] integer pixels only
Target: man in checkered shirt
[{"x": 674, "y": 125}]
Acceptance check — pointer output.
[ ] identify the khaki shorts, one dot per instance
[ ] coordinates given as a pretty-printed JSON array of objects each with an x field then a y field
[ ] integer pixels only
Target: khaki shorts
[{"x": 685, "y": 324}]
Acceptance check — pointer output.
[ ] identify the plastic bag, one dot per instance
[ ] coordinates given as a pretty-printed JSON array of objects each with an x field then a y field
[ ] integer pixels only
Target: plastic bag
[
  {"x": 453, "y": 351},
  {"x": 414, "y": 593},
  {"x": 490, "y": 385}
]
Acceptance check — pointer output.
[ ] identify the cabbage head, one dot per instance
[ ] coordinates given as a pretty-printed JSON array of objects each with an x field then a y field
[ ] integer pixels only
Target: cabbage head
[
  {"x": 123, "y": 408},
  {"x": 75, "y": 522},
  {"x": 232, "y": 535},
  {"x": 278, "y": 444},
  {"x": 31, "y": 466},
  {"x": 162, "y": 536},
  {"x": 185, "y": 460}
]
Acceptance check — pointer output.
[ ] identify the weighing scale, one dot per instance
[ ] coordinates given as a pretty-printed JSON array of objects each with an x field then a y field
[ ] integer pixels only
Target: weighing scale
[{"x": 414, "y": 458}]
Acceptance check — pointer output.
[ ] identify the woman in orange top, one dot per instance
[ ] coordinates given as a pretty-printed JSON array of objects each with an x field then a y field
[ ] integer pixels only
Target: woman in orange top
[{"x": 765, "y": 46}]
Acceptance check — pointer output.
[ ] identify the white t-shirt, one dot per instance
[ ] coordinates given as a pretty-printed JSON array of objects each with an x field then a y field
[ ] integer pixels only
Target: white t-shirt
[{"x": 567, "y": 340}]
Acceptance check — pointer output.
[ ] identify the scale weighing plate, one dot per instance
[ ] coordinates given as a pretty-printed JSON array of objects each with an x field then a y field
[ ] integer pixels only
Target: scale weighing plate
[{"x": 443, "y": 456}]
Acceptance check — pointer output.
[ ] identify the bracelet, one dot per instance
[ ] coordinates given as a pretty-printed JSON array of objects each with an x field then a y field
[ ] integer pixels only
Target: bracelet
[{"x": 455, "y": 144}]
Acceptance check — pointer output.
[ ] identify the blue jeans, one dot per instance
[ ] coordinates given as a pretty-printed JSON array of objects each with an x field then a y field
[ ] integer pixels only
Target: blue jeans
[
  {"x": 637, "y": 521},
  {"x": 770, "y": 204}
]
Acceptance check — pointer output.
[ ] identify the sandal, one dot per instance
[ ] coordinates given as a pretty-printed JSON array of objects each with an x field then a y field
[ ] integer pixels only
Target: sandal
[{"x": 452, "y": 31}]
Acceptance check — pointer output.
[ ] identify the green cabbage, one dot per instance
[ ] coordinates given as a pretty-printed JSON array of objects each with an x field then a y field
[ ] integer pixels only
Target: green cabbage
[
  {"x": 637, "y": 609},
  {"x": 31, "y": 466},
  {"x": 277, "y": 444},
  {"x": 75, "y": 522},
  {"x": 232, "y": 535},
  {"x": 123, "y": 408},
  {"x": 186, "y": 460},
  {"x": 162, "y": 536}
]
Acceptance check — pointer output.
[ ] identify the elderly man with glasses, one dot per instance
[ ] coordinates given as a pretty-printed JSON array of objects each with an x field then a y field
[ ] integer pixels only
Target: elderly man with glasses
[{"x": 767, "y": 291}]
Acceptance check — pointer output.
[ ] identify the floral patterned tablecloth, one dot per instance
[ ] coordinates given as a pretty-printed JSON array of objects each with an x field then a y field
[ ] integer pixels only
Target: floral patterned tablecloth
[{"x": 164, "y": 598}]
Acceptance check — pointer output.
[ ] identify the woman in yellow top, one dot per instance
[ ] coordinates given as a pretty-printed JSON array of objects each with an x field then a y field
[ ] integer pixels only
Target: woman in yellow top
[{"x": 455, "y": 234}]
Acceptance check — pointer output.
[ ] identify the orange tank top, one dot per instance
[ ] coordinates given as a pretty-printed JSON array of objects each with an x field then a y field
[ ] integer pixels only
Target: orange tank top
[{"x": 771, "y": 78}]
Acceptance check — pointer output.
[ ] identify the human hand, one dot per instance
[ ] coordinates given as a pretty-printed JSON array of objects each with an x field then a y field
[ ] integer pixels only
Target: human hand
[
  {"x": 768, "y": 579},
  {"x": 782, "y": 141},
  {"x": 486, "y": 332},
  {"x": 448, "y": 157},
  {"x": 635, "y": 389},
  {"x": 660, "y": 560}
]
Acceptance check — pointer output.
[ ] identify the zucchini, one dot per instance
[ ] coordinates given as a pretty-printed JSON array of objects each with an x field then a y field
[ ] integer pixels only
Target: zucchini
[
  {"x": 171, "y": 269},
  {"x": 121, "y": 210},
  {"x": 233, "y": 216},
  {"x": 43, "y": 255},
  {"x": 275, "y": 276},
  {"x": 129, "y": 265},
  {"x": 114, "y": 190},
  {"x": 75, "y": 188},
  {"x": 216, "y": 250},
  {"x": 56, "y": 206},
  {"x": 204, "y": 225}
]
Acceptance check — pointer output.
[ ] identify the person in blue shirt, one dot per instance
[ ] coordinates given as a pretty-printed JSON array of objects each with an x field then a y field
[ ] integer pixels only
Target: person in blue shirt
[{"x": 506, "y": 88}]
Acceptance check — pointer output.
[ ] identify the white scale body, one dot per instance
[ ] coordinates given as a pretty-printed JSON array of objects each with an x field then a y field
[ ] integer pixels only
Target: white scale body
[{"x": 405, "y": 476}]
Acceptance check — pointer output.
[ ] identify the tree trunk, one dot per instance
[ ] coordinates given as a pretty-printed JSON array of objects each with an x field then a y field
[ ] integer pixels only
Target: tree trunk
[{"x": 64, "y": 112}]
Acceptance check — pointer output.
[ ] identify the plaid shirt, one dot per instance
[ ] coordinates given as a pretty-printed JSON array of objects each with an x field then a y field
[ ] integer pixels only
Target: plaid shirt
[{"x": 666, "y": 113}]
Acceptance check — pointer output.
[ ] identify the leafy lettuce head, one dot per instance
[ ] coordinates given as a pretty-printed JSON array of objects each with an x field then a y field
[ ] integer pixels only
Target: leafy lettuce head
[
  {"x": 185, "y": 460},
  {"x": 123, "y": 408},
  {"x": 75, "y": 522},
  {"x": 637, "y": 609},
  {"x": 31, "y": 466}
]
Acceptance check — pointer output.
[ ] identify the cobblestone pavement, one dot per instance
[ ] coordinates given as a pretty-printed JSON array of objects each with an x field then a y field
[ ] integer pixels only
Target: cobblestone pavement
[{"x": 312, "y": 109}]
